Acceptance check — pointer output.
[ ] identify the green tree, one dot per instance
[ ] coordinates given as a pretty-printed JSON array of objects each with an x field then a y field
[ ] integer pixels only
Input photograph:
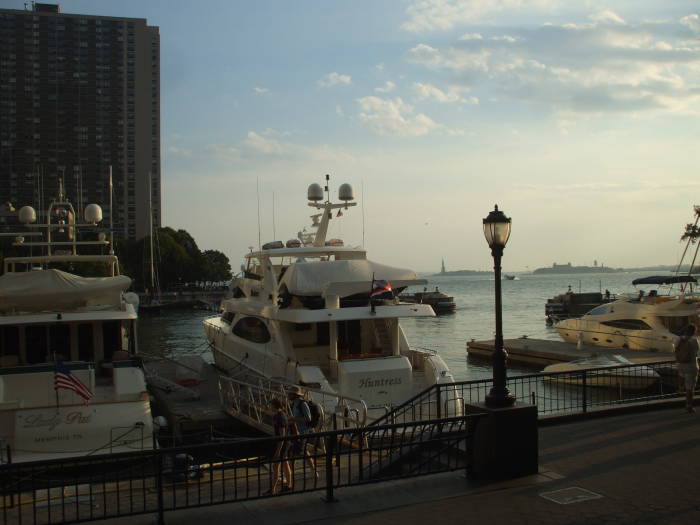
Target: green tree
[{"x": 216, "y": 266}]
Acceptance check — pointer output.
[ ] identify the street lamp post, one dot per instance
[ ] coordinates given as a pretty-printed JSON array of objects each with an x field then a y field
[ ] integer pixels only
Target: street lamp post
[{"x": 497, "y": 231}]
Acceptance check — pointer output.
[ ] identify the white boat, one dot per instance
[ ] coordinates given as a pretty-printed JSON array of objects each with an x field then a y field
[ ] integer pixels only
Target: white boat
[
  {"x": 599, "y": 372},
  {"x": 645, "y": 322},
  {"x": 77, "y": 333},
  {"x": 302, "y": 312}
]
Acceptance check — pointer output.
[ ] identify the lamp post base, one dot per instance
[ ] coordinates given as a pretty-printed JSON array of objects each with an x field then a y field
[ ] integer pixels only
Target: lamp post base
[{"x": 499, "y": 398}]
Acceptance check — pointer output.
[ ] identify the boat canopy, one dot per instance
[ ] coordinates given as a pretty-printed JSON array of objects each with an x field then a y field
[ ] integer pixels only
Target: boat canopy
[
  {"x": 665, "y": 279},
  {"x": 344, "y": 277},
  {"x": 54, "y": 290}
]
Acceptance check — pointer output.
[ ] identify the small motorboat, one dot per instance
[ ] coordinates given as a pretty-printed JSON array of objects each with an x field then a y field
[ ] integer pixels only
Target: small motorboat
[
  {"x": 603, "y": 371},
  {"x": 440, "y": 302}
]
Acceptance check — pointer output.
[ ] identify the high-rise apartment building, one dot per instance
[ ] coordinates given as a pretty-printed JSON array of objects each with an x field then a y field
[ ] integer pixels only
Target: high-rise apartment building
[{"x": 80, "y": 96}]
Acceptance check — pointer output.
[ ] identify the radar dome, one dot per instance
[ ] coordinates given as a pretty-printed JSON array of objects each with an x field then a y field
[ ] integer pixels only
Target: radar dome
[
  {"x": 346, "y": 193},
  {"x": 27, "y": 215},
  {"x": 315, "y": 192},
  {"x": 93, "y": 213}
]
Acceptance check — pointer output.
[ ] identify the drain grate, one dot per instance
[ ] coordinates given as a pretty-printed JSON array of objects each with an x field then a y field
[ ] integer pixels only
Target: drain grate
[{"x": 570, "y": 495}]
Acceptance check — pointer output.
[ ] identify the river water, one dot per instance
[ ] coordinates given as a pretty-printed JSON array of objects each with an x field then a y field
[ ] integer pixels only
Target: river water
[{"x": 174, "y": 333}]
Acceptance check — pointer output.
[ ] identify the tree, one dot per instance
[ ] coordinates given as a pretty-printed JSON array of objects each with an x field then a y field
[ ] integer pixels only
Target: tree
[{"x": 216, "y": 266}]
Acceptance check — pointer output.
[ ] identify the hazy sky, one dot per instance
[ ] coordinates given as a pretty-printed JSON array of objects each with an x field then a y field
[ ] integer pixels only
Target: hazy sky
[{"x": 579, "y": 118}]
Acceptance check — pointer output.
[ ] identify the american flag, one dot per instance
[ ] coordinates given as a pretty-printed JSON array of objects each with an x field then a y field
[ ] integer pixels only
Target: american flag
[
  {"x": 381, "y": 290},
  {"x": 62, "y": 378}
]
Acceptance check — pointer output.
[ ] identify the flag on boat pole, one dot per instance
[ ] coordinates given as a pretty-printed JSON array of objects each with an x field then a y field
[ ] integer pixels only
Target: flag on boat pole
[
  {"x": 380, "y": 290},
  {"x": 64, "y": 379}
]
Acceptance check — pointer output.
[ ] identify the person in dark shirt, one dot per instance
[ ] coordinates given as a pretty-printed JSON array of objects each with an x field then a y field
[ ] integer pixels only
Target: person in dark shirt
[{"x": 280, "y": 468}]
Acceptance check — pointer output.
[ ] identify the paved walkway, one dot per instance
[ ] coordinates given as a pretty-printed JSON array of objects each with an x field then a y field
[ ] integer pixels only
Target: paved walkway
[{"x": 636, "y": 468}]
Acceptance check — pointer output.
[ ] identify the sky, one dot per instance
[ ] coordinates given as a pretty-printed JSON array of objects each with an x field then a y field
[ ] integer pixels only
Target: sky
[{"x": 578, "y": 118}]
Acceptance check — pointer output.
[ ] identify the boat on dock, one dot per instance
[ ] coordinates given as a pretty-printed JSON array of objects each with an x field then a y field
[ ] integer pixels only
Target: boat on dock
[
  {"x": 316, "y": 313},
  {"x": 70, "y": 380},
  {"x": 642, "y": 322},
  {"x": 604, "y": 371},
  {"x": 570, "y": 304}
]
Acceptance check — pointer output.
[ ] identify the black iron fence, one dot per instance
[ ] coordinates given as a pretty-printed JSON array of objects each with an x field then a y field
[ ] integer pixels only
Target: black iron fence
[
  {"x": 414, "y": 439},
  {"x": 158, "y": 481},
  {"x": 556, "y": 394}
]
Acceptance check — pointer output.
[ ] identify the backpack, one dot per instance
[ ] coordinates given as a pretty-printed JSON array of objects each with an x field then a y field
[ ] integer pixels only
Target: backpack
[
  {"x": 683, "y": 352},
  {"x": 315, "y": 411}
]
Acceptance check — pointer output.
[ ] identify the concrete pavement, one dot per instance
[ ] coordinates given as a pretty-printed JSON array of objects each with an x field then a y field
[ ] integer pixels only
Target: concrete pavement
[{"x": 634, "y": 468}]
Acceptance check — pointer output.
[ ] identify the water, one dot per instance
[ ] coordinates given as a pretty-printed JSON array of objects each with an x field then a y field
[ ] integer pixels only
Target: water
[{"x": 180, "y": 332}]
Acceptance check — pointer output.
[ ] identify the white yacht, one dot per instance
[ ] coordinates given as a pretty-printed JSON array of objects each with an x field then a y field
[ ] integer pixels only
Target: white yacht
[
  {"x": 307, "y": 312},
  {"x": 603, "y": 371},
  {"x": 644, "y": 322},
  {"x": 69, "y": 385}
]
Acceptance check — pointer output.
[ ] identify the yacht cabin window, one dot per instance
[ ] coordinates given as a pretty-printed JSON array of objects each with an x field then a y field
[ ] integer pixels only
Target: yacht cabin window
[
  {"x": 111, "y": 335},
  {"x": 628, "y": 324},
  {"x": 227, "y": 317},
  {"x": 86, "y": 343},
  {"x": 252, "y": 329},
  {"x": 36, "y": 341},
  {"x": 59, "y": 342},
  {"x": 9, "y": 346}
]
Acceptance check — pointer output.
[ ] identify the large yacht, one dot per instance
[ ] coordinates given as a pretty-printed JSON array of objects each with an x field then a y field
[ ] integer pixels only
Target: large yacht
[
  {"x": 317, "y": 313},
  {"x": 644, "y": 322},
  {"x": 69, "y": 384}
]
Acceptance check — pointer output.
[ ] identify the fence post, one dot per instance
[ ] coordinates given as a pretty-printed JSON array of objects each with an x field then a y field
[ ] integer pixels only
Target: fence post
[
  {"x": 584, "y": 384},
  {"x": 159, "y": 485},
  {"x": 439, "y": 402},
  {"x": 330, "y": 449}
]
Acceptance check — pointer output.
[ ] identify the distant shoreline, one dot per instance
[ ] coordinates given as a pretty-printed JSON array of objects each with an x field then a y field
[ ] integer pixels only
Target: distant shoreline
[{"x": 566, "y": 269}]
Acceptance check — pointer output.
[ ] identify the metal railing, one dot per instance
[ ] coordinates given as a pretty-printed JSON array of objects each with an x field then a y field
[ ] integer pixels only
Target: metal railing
[
  {"x": 555, "y": 393},
  {"x": 158, "y": 481},
  {"x": 250, "y": 402}
]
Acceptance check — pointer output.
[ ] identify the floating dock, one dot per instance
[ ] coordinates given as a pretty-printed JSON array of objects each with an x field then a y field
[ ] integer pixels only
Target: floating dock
[
  {"x": 187, "y": 395},
  {"x": 542, "y": 352}
]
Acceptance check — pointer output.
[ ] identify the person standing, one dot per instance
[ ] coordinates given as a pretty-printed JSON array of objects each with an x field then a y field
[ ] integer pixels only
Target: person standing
[
  {"x": 687, "y": 356},
  {"x": 300, "y": 423},
  {"x": 280, "y": 424}
]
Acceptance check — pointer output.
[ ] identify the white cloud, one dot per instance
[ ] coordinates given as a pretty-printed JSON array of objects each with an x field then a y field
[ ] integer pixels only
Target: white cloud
[
  {"x": 181, "y": 152},
  {"x": 395, "y": 117},
  {"x": 604, "y": 65},
  {"x": 692, "y": 21},
  {"x": 386, "y": 88},
  {"x": 260, "y": 90},
  {"x": 263, "y": 144},
  {"x": 334, "y": 79},
  {"x": 453, "y": 94},
  {"x": 607, "y": 17},
  {"x": 444, "y": 15}
]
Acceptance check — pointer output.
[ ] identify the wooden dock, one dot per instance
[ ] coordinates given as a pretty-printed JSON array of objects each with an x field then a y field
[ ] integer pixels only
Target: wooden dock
[{"x": 542, "y": 352}]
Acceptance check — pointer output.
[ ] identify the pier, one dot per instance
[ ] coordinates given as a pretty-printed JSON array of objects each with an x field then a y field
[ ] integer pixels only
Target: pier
[{"x": 542, "y": 352}]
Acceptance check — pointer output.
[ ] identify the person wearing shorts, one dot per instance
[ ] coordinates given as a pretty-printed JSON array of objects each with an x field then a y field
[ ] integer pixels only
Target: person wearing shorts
[{"x": 688, "y": 372}]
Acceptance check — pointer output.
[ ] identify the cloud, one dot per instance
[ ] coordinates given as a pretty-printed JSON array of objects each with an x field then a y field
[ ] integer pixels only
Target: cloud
[
  {"x": 260, "y": 90},
  {"x": 180, "y": 152},
  {"x": 334, "y": 79},
  {"x": 395, "y": 117},
  {"x": 260, "y": 143},
  {"x": 602, "y": 65},
  {"x": 386, "y": 88},
  {"x": 429, "y": 92},
  {"x": 276, "y": 145},
  {"x": 444, "y": 15},
  {"x": 692, "y": 21}
]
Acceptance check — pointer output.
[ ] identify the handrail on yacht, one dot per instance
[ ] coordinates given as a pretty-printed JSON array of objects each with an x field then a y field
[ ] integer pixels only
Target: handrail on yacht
[{"x": 350, "y": 416}]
